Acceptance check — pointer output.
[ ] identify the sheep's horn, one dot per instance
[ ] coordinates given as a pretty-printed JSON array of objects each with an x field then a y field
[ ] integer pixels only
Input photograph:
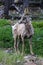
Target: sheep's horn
[{"x": 22, "y": 17}]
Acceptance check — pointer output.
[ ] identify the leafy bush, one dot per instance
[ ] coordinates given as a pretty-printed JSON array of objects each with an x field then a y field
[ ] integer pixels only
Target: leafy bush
[
  {"x": 6, "y": 38},
  {"x": 38, "y": 23},
  {"x": 4, "y": 22},
  {"x": 38, "y": 41}
]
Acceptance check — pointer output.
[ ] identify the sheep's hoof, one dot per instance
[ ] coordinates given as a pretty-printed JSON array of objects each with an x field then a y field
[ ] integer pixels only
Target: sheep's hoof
[{"x": 32, "y": 54}]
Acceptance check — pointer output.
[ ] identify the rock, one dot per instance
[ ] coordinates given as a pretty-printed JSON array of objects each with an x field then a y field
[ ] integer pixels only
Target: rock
[
  {"x": 32, "y": 60},
  {"x": 38, "y": 62},
  {"x": 29, "y": 63},
  {"x": 0, "y": 64},
  {"x": 42, "y": 62},
  {"x": 1, "y": 11}
]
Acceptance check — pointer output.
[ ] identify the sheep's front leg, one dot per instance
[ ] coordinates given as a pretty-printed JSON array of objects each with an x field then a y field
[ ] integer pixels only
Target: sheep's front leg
[
  {"x": 18, "y": 44},
  {"x": 22, "y": 44},
  {"x": 15, "y": 42},
  {"x": 30, "y": 43}
]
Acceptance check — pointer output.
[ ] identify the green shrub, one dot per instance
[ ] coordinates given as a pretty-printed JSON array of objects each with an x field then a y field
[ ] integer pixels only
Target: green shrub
[
  {"x": 6, "y": 39},
  {"x": 38, "y": 23},
  {"x": 38, "y": 41},
  {"x": 4, "y": 22}
]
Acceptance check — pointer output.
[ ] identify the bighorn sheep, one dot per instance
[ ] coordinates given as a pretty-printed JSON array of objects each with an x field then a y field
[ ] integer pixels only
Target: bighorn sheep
[{"x": 23, "y": 29}]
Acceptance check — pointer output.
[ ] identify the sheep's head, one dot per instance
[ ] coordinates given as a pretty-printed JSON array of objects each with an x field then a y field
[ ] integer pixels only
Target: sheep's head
[{"x": 28, "y": 25}]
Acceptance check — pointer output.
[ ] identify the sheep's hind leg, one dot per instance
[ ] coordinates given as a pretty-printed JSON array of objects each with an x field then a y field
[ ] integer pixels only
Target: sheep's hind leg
[
  {"x": 30, "y": 43},
  {"x": 15, "y": 46}
]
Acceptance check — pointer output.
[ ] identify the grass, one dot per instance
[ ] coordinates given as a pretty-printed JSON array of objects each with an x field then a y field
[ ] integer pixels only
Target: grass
[
  {"x": 6, "y": 38},
  {"x": 10, "y": 58}
]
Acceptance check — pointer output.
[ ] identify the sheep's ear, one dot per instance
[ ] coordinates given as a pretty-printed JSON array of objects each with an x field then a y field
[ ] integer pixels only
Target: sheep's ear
[{"x": 11, "y": 22}]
